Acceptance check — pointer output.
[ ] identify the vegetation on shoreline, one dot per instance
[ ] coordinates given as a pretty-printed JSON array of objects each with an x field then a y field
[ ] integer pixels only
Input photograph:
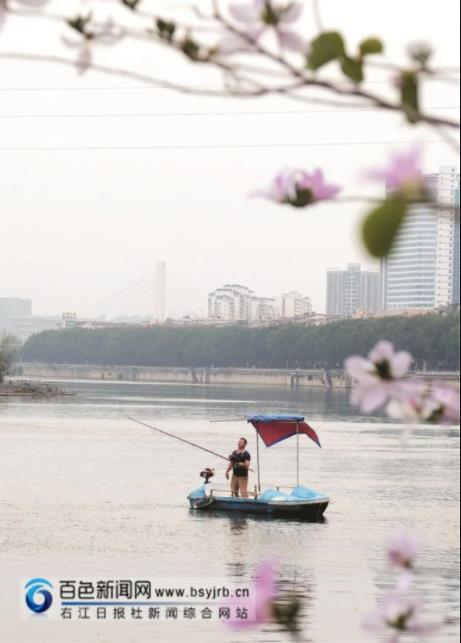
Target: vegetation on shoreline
[
  {"x": 26, "y": 388},
  {"x": 8, "y": 350},
  {"x": 433, "y": 340}
]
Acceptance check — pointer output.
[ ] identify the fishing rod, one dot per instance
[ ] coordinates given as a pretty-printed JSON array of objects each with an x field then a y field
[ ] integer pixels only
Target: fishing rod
[{"x": 171, "y": 435}]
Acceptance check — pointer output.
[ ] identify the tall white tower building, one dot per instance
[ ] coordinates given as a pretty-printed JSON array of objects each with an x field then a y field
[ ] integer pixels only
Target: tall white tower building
[
  {"x": 352, "y": 290},
  {"x": 421, "y": 269},
  {"x": 159, "y": 301}
]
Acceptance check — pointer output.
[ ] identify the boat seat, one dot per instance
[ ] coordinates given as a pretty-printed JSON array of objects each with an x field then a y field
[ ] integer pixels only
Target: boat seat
[
  {"x": 273, "y": 494},
  {"x": 306, "y": 494}
]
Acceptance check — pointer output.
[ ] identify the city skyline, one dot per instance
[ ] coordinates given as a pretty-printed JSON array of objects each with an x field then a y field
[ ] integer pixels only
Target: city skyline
[
  {"x": 347, "y": 291},
  {"x": 132, "y": 297}
]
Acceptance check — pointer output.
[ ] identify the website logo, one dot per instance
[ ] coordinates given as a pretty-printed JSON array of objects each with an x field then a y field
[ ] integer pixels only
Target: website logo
[{"x": 37, "y": 588}]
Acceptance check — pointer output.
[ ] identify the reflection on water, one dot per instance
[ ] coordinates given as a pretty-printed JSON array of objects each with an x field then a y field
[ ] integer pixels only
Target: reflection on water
[
  {"x": 240, "y": 520},
  {"x": 82, "y": 486}
]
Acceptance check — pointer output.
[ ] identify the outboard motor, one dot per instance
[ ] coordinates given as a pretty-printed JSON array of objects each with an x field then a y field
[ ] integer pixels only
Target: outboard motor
[
  {"x": 207, "y": 499},
  {"x": 207, "y": 474}
]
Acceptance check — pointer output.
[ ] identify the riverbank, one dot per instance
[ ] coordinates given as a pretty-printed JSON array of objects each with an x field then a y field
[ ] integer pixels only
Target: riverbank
[{"x": 300, "y": 378}]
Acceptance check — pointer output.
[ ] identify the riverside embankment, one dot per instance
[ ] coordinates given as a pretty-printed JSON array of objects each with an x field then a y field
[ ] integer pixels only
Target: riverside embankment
[{"x": 300, "y": 378}]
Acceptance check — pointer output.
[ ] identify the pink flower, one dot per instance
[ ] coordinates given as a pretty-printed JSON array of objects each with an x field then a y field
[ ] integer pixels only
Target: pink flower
[
  {"x": 413, "y": 408},
  {"x": 437, "y": 403},
  {"x": 402, "y": 549},
  {"x": 397, "y": 614},
  {"x": 447, "y": 397},
  {"x": 403, "y": 173},
  {"x": 256, "y": 17},
  {"x": 299, "y": 188},
  {"x": 259, "y": 604},
  {"x": 377, "y": 378}
]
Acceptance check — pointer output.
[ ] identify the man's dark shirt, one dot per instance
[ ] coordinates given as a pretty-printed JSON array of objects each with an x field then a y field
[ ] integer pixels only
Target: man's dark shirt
[{"x": 237, "y": 457}]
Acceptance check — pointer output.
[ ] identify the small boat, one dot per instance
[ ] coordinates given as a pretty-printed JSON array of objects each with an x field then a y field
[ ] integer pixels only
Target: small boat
[{"x": 299, "y": 502}]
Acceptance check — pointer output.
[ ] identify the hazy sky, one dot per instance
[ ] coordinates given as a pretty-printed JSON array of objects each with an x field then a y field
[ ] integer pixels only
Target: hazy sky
[{"x": 81, "y": 230}]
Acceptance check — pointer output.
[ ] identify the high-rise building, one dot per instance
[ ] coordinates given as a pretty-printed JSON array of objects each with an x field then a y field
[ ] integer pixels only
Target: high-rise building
[
  {"x": 352, "y": 290},
  {"x": 370, "y": 291},
  {"x": 231, "y": 303},
  {"x": 262, "y": 309},
  {"x": 234, "y": 303},
  {"x": 292, "y": 304},
  {"x": 160, "y": 278},
  {"x": 10, "y": 308},
  {"x": 24, "y": 327},
  {"x": 422, "y": 269}
]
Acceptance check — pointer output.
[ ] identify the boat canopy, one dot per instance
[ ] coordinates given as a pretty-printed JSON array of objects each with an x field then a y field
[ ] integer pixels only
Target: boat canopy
[
  {"x": 275, "y": 427},
  {"x": 275, "y": 417}
]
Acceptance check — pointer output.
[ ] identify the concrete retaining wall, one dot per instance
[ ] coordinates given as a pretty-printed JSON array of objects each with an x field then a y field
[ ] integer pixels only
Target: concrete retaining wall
[
  {"x": 314, "y": 378},
  {"x": 268, "y": 377}
]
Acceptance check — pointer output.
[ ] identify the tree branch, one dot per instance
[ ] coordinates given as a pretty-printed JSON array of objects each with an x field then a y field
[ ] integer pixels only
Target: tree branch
[
  {"x": 330, "y": 86},
  {"x": 244, "y": 84}
]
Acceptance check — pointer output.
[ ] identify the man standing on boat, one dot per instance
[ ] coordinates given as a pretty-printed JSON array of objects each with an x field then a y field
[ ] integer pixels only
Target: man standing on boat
[{"x": 239, "y": 462}]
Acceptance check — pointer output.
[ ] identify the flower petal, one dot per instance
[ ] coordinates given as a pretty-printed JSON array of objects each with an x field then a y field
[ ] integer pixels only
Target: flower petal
[
  {"x": 328, "y": 192},
  {"x": 383, "y": 350},
  {"x": 233, "y": 44},
  {"x": 402, "y": 548},
  {"x": 373, "y": 398},
  {"x": 405, "y": 580},
  {"x": 358, "y": 367},
  {"x": 400, "y": 363},
  {"x": 291, "y": 40},
  {"x": 245, "y": 12},
  {"x": 266, "y": 589},
  {"x": 292, "y": 12},
  {"x": 403, "y": 170}
]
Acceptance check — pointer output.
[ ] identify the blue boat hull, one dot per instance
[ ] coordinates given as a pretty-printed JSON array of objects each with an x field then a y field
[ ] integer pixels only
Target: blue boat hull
[{"x": 311, "y": 506}]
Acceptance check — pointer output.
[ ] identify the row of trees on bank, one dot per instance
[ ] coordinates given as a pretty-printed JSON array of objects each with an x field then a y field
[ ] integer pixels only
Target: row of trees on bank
[{"x": 433, "y": 340}]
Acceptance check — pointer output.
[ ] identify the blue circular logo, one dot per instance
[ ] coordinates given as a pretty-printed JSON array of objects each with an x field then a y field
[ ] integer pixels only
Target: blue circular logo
[{"x": 35, "y": 587}]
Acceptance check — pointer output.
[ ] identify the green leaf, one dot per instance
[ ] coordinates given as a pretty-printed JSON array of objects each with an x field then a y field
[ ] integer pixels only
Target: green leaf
[
  {"x": 325, "y": 48},
  {"x": 371, "y": 46},
  {"x": 190, "y": 48},
  {"x": 80, "y": 24},
  {"x": 131, "y": 4},
  {"x": 352, "y": 68},
  {"x": 409, "y": 95},
  {"x": 166, "y": 29},
  {"x": 382, "y": 224}
]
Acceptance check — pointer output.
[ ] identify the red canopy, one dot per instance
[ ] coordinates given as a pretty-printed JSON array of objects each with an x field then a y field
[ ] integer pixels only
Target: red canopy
[{"x": 276, "y": 430}]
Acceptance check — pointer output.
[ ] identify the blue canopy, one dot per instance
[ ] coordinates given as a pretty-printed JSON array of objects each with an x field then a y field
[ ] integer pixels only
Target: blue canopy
[{"x": 275, "y": 417}]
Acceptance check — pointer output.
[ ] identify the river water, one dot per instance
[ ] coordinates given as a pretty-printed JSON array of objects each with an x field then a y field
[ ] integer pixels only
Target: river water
[{"x": 86, "y": 492}]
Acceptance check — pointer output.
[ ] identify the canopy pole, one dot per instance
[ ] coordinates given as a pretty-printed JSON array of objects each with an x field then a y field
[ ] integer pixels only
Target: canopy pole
[
  {"x": 297, "y": 454},
  {"x": 257, "y": 460}
]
